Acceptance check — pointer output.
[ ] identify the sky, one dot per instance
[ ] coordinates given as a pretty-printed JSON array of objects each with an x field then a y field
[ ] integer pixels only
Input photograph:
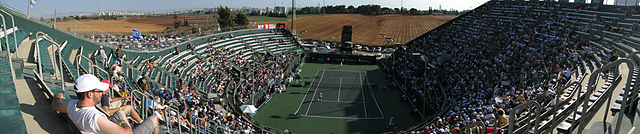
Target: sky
[
  {"x": 72, "y": 6},
  {"x": 62, "y": 7}
]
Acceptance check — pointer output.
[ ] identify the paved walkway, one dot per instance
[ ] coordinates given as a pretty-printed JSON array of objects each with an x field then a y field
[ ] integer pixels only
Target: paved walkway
[{"x": 36, "y": 108}]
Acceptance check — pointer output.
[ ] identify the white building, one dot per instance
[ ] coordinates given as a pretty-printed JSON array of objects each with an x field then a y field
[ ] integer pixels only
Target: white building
[{"x": 626, "y": 2}]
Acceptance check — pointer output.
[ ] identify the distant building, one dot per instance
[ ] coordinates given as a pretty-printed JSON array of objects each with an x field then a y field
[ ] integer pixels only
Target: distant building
[
  {"x": 626, "y": 2},
  {"x": 280, "y": 9}
]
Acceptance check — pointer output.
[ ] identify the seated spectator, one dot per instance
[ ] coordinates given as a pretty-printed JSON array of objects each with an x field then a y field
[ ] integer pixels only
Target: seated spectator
[
  {"x": 88, "y": 118},
  {"x": 142, "y": 83},
  {"x": 113, "y": 104}
]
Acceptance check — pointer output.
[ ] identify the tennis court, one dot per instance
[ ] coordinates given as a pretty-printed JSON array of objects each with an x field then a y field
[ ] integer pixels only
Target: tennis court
[{"x": 340, "y": 94}]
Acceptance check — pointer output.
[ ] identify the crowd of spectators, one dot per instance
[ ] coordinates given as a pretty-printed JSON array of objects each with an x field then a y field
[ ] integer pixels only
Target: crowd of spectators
[
  {"x": 491, "y": 60},
  {"x": 152, "y": 42},
  {"x": 188, "y": 105}
]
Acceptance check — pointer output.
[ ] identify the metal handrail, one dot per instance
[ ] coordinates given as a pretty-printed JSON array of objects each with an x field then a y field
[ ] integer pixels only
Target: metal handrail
[
  {"x": 522, "y": 106},
  {"x": 58, "y": 50},
  {"x": 591, "y": 86},
  {"x": 13, "y": 75},
  {"x": 200, "y": 124},
  {"x": 468, "y": 127},
  {"x": 13, "y": 22},
  {"x": 144, "y": 100},
  {"x": 79, "y": 61}
]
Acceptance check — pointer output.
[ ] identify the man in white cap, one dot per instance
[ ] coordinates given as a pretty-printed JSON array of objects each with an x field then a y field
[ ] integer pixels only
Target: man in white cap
[{"x": 86, "y": 116}]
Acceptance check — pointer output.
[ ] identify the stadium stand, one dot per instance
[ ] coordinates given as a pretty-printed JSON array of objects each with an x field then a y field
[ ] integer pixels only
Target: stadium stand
[
  {"x": 10, "y": 107},
  {"x": 493, "y": 59},
  {"x": 515, "y": 52},
  {"x": 168, "y": 87}
]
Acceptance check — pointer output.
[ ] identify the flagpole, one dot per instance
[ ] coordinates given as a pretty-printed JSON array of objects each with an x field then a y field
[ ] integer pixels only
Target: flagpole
[{"x": 28, "y": 7}]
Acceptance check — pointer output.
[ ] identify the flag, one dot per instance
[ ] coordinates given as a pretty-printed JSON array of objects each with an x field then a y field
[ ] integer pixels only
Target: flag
[
  {"x": 137, "y": 35},
  {"x": 32, "y": 3}
]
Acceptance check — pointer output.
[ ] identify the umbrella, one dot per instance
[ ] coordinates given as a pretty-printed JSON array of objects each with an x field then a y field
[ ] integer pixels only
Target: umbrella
[{"x": 248, "y": 109}]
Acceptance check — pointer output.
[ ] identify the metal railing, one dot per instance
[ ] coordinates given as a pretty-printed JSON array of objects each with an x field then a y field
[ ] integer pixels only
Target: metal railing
[
  {"x": 13, "y": 23},
  {"x": 79, "y": 58},
  {"x": 591, "y": 86},
  {"x": 42, "y": 36},
  {"x": 4, "y": 28},
  {"x": 468, "y": 128},
  {"x": 522, "y": 106},
  {"x": 144, "y": 102}
]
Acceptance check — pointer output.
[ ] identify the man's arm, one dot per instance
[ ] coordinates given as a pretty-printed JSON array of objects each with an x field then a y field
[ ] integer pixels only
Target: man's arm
[
  {"x": 108, "y": 127},
  {"x": 119, "y": 98},
  {"x": 109, "y": 111},
  {"x": 57, "y": 104}
]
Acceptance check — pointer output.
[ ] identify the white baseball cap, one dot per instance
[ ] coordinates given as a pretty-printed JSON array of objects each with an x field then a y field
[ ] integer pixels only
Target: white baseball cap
[{"x": 88, "y": 82}]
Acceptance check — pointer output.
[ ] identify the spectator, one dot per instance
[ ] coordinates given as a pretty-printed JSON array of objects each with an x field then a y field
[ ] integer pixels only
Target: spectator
[
  {"x": 104, "y": 57},
  {"x": 87, "y": 117},
  {"x": 113, "y": 104}
]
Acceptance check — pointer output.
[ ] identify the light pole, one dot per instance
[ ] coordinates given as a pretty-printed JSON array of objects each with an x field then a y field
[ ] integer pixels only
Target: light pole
[
  {"x": 293, "y": 18},
  {"x": 424, "y": 89}
]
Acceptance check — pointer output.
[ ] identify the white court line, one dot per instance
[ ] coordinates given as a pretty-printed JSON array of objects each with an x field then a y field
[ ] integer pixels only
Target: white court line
[
  {"x": 339, "y": 87},
  {"x": 372, "y": 95},
  {"x": 333, "y": 117},
  {"x": 305, "y": 96},
  {"x": 314, "y": 93},
  {"x": 340, "y": 101},
  {"x": 343, "y": 70},
  {"x": 363, "y": 99}
]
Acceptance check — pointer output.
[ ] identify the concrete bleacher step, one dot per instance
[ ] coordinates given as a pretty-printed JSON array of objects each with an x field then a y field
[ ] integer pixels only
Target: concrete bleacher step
[
  {"x": 572, "y": 119},
  {"x": 564, "y": 127},
  {"x": 615, "y": 107}
]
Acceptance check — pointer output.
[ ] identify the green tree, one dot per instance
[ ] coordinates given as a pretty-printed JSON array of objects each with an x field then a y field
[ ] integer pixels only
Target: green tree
[
  {"x": 241, "y": 19},
  {"x": 226, "y": 17},
  {"x": 176, "y": 23},
  {"x": 413, "y": 11}
]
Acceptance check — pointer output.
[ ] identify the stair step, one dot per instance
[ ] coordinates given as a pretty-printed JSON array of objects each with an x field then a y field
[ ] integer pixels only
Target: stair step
[
  {"x": 598, "y": 94},
  {"x": 593, "y": 98},
  {"x": 615, "y": 107},
  {"x": 571, "y": 118},
  {"x": 564, "y": 127}
]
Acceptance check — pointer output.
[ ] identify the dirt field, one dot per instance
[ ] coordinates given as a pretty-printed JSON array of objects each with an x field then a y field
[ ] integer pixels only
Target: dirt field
[
  {"x": 109, "y": 26},
  {"x": 366, "y": 29},
  {"x": 168, "y": 20}
]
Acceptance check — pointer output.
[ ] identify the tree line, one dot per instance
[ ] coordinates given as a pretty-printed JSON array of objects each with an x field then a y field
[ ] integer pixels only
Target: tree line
[
  {"x": 369, "y": 10},
  {"x": 68, "y": 18},
  {"x": 228, "y": 19}
]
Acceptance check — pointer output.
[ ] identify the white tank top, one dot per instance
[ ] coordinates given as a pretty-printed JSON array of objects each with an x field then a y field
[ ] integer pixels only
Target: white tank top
[{"x": 85, "y": 118}]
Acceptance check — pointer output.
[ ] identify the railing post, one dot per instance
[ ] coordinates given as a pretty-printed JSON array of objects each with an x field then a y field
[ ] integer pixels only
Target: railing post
[
  {"x": 13, "y": 23},
  {"x": 4, "y": 27},
  {"x": 480, "y": 122},
  {"x": 512, "y": 115},
  {"x": 591, "y": 86}
]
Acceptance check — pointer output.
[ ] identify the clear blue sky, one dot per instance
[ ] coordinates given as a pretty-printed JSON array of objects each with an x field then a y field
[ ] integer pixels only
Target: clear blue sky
[{"x": 68, "y": 6}]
